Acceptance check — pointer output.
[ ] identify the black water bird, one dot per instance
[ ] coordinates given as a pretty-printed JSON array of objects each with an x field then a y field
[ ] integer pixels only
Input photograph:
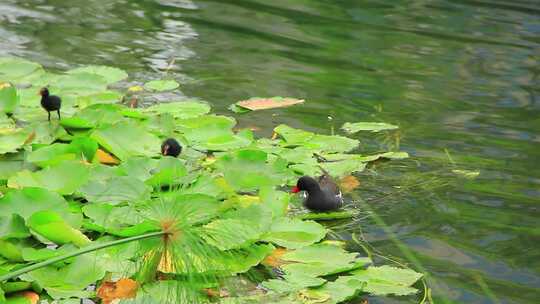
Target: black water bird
[
  {"x": 50, "y": 102},
  {"x": 171, "y": 147},
  {"x": 322, "y": 195}
]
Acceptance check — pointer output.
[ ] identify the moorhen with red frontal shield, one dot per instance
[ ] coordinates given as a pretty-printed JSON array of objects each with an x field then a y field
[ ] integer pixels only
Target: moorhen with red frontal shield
[{"x": 322, "y": 195}]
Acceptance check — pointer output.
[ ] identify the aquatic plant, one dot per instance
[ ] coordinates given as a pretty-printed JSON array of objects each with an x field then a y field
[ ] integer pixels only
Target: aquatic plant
[{"x": 88, "y": 201}]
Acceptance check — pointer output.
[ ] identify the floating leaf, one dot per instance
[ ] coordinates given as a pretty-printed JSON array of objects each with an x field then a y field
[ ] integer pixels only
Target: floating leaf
[
  {"x": 127, "y": 139},
  {"x": 12, "y": 226},
  {"x": 367, "y": 126},
  {"x": 293, "y": 136},
  {"x": 161, "y": 85},
  {"x": 12, "y": 68},
  {"x": 257, "y": 103},
  {"x": 79, "y": 83},
  {"x": 342, "y": 289},
  {"x": 9, "y": 99},
  {"x": 27, "y": 201},
  {"x": 64, "y": 178},
  {"x": 180, "y": 109},
  {"x": 294, "y": 233},
  {"x": 50, "y": 225},
  {"x": 294, "y": 282},
  {"x": 110, "y": 74},
  {"x": 386, "y": 280},
  {"x": 13, "y": 141}
]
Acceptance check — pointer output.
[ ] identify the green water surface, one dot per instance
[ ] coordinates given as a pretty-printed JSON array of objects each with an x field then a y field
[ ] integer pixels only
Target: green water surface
[{"x": 460, "y": 78}]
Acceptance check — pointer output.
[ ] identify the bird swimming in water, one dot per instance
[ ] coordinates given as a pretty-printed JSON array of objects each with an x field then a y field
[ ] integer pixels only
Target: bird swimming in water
[
  {"x": 322, "y": 195},
  {"x": 171, "y": 147},
  {"x": 50, "y": 102}
]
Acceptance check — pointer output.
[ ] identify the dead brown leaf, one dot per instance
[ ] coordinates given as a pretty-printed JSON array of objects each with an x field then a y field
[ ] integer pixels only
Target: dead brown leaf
[
  {"x": 214, "y": 293},
  {"x": 30, "y": 295},
  {"x": 274, "y": 259},
  {"x": 349, "y": 183},
  {"x": 30, "y": 138},
  {"x": 106, "y": 158},
  {"x": 121, "y": 289},
  {"x": 255, "y": 104}
]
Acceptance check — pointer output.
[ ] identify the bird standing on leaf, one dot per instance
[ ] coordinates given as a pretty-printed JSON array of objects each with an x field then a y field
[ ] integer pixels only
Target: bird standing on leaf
[{"x": 50, "y": 102}]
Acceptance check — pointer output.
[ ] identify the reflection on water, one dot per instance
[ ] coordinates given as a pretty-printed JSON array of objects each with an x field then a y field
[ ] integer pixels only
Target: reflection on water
[{"x": 461, "y": 78}]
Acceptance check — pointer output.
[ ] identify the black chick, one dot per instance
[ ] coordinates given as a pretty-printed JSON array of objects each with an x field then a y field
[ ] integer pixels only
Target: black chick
[
  {"x": 322, "y": 195},
  {"x": 171, "y": 147},
  {"x": 50, "y": 102}
]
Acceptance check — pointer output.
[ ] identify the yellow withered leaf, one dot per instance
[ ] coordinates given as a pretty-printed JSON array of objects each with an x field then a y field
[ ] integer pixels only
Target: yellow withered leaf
[{"x": 106, "y": 158}]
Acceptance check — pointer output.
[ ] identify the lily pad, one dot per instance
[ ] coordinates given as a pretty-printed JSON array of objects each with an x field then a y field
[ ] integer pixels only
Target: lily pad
[
  {"x": 9, "y": 99},
  {"x": 116, "y": 190},
  {"x": 180, "y": 109},
  {"x": 161, "y": 85},
  {"x": 12, "y": 68},
  {"x": 367, "y": 126},
  {"x": 384, "y": 280},
  {"x": 110, "y": 74},
  {"x": 28, "y": 201},
  {"x": 64, "y": 178},
  {"x": 127, "y": 139},
  {"x": 294, "y": 233},
  {"x": 50, "y": 225}
]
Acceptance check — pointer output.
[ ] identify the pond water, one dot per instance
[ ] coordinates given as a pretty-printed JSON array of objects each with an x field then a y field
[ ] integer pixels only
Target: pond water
[{"x": 461, "y": 78}]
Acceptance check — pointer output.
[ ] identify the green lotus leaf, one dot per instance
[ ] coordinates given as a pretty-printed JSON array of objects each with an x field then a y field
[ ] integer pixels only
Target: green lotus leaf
[
  {"x": 52, "y": 155},
  {"x": 110, "y": 74},
  {"x": 224, "y": 142},
  {"x": 52, "y": 226},
  {"x": 332, "y": 143},
  {"x": 127, "y": 139},
  {"x": 344, "y": 167},
  {"x": 9, "y": 99},
  {"x": 12, "y": 141},
  {"x": 340, "y": 290},
  {"x": 293, "y": 136},
  {"x": 161, "y": 85},
  {"x": 68, "y": 281},
  {"x": 248, "y": 169},
  {"x": 11, "y": 250},
  {"x": 79, "y": 148},
  {"x": 294, "y": 233},
  {"x": 238, "y": 228},
  {"x": 36, "y": 255},
  {"x": 12, "y": 163},
  {"x": 384, "y": 280},
  {"x": 12, "y": 68},
  {"x": 180, "y": 109},
  {"x": 64, "y": 178},
  {"x": 203, "y": 128},
  {"x": 168, "y": 171},
  {"x": 79, "y": 83},
  {"x": 28, "y": 201},
  {"x": 12, "y": 226},
  {"x": 294, "y": 282},
  {"x": 367, "y": 126},
  {"x": 105, "y": 97},
  {"x": 116, "y": 190}
]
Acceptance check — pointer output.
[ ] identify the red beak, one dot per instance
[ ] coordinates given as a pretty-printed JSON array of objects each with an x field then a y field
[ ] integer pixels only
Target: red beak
[{"x": 295, "y": 189}]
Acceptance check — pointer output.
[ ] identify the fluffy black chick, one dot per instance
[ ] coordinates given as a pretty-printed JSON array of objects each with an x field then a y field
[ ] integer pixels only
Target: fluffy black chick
[{"x": 50, "y": 102}]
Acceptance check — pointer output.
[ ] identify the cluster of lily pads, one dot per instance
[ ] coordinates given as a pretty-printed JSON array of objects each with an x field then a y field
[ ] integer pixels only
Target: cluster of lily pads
[{"x": 97, "y": 176}]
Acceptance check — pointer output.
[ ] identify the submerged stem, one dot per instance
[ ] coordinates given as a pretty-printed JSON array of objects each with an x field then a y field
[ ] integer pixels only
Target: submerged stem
[{"x": 81, "y": 251}]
